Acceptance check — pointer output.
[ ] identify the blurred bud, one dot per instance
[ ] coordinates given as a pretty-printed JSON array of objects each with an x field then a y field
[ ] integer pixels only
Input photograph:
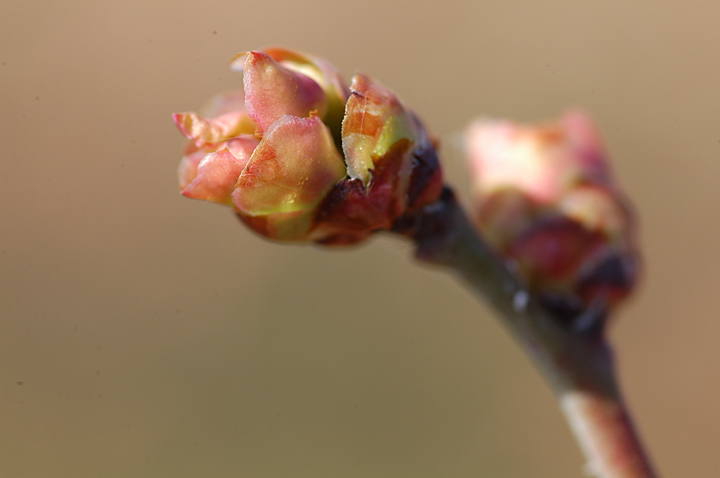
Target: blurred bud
[
  {"x": 546, "y": 199},
  {"x": 273, "y": 151}
]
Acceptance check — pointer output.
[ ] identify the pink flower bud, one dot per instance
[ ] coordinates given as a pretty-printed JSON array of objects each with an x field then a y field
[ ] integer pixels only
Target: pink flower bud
[
  {"x": 273, "y": 151},
  {"x": 546, "y": 199}
]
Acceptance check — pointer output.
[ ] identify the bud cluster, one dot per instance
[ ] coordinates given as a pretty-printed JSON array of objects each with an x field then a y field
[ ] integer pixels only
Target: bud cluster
[
  {"x": 302, "y": 157},
  {"x": 545, "y": 198}
]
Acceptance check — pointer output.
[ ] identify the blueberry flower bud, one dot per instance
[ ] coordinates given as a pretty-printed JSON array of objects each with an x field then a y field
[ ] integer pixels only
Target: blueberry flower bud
[
  {"x": 545, "y": 197},
  {"x": 272, "y": 151}
]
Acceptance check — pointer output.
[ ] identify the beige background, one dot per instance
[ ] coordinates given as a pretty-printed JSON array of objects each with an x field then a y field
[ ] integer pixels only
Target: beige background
[{"x": 146, "y": 335}]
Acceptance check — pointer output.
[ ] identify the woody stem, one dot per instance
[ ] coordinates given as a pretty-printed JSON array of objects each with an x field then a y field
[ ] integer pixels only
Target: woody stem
[{"x": 579, "y": 368}]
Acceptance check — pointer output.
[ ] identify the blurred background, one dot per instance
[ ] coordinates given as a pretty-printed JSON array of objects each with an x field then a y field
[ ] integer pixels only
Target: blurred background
[{"x": 146, "y": 335}]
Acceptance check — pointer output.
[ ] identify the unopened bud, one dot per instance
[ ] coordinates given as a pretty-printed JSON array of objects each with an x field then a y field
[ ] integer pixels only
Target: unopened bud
[
  {"x": 273, "y": 151},
  {"x": 545, "y": 197}
]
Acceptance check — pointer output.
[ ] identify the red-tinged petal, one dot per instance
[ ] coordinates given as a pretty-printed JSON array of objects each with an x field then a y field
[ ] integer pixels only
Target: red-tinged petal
[
  {"x": 322, "y": 71},
  {"x": 325, "y": 74},
  {"x": 272, "y": 91},
  {"x": 319, "y": 69},
  {"x": 293, "y": 226},
  {"x": 585, "y": 142},
  {"x": 542, "y": 161},
  {"x": 206, "y": 132},
  {"x": 375, "y": 120},
  {"x": 503, "y": 155},
  {"x": 292, "y": 169},
  {"x": 218, "y": 172},
  {"x": 187, "y": 171}
]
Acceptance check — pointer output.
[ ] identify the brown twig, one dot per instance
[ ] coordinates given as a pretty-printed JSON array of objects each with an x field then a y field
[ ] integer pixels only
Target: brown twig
[{"x": 579, "y": 367}]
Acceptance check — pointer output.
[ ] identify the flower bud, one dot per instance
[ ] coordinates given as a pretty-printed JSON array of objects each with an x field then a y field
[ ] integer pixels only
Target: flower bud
[
  {"x": 272, "y": 151},
  {"x": 545, "y": 198}
]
